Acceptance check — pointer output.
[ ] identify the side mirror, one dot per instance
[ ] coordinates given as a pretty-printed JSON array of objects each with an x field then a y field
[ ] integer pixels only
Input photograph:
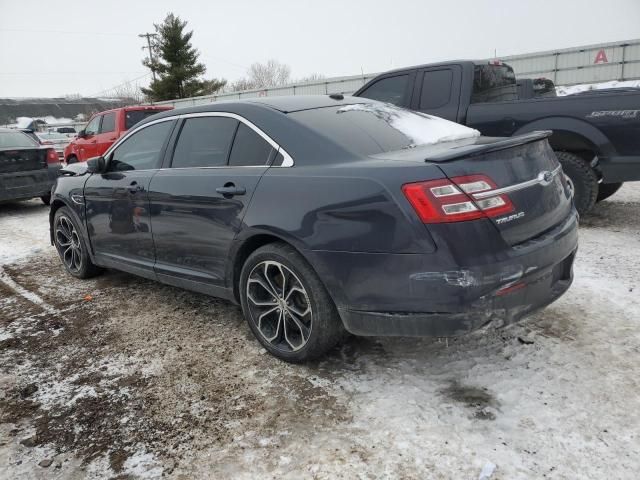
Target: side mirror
[
  {"x": 82, "y": 133},
  {"x": 96, "y": 165}
]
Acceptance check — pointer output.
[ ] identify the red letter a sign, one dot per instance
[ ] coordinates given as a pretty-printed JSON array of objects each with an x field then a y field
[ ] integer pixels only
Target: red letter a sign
[{"x": 601, "y": 57}]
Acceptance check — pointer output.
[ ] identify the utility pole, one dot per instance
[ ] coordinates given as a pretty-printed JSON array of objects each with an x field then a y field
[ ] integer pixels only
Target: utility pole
[{"x": 150, "y": 48}]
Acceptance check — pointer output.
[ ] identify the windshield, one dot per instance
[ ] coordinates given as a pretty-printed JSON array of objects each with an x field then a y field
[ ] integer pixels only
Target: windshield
[
  {"x": 135, "y": 116},
  {"x": 372, "y": 128},
  {"x": 493, "y": 83},
  {"x": 16, "y": 140}
]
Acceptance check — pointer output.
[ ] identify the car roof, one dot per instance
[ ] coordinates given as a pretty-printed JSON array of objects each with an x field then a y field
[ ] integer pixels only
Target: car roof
[{"x": 284, "y": 104}]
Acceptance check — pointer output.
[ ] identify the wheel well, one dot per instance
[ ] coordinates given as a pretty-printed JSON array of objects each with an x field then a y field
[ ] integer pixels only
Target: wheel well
[
  {"x": 55, "y": 206},
  {"x": 247, "y": 248},
  {"x": 574, "y": 143}
]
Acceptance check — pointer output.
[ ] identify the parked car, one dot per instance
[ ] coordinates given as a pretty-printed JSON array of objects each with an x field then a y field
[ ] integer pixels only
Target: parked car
[
  {"x": 27, "y": 169},
  {"x": 595, "y": 137},
  {"x": 104, "y": 128},
  {"x": 57, "y": 141},
  {"x": 66, "y": 130},
  {"x": 322, "y": 214}
]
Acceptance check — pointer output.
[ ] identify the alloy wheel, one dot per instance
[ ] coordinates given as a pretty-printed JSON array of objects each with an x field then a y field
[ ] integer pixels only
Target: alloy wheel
[
  {"x": 68, "y": 244},
  {"x": 279, "y": 306}
]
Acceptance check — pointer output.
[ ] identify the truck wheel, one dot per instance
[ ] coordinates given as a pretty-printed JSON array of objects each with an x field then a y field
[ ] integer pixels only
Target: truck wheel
[
  {"x": 585, "y": 180},
  {"x": 72, "y": 159},
  {"x": 605, "y": 190}
]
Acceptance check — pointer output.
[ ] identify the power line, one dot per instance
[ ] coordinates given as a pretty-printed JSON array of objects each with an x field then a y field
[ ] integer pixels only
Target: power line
[
  {"x": 66, "y": 32},
  {"x": 120, "y": 85}
]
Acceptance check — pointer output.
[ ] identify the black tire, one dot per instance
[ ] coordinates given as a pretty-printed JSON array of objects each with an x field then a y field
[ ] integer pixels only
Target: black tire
[
  {"x": 72, "y": 159},
  {"x": 46, "y": 199},
  {"x": 584, "y": 179},
  {"x": 71, "y": 247},
  {"x": 605, "y": 190},
  {"x": 324, "y": 329}
]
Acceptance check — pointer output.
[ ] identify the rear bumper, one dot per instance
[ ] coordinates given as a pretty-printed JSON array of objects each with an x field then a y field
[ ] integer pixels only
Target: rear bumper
[
  {"x": 29, "y": 184},
  {"x": 428, "y": 295},
  {"x": 620, "y": 168}
]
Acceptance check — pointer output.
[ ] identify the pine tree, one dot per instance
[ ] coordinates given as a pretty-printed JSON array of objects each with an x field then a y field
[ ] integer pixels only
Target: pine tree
[{"x": 176, "y": 64}]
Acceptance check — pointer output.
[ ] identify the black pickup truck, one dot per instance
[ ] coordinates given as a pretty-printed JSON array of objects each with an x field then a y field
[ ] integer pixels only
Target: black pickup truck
[{"x": 595, "y": 137}]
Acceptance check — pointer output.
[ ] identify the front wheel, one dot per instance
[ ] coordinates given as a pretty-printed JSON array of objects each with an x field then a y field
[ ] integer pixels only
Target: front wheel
[
  {"x": 286, "y": 305},
  {"x": 584, "y": 179},
  {"x": 605, "y": 190},
  {"x": 71, "y": 246}
]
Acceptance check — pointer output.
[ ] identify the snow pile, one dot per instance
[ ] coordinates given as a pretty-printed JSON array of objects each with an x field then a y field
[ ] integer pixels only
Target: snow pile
[
  {"x": 570, "y": 90},
  {"x": 25, "y": 230},
  {"x": 420, "y": 128},
  {"x": 25, "y": 122}
]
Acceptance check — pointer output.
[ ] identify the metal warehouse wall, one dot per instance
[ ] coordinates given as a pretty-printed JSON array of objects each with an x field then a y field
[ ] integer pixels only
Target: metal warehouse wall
[
  {"x": 570, "y": 66},
  {"x": 589, "y": 64}
]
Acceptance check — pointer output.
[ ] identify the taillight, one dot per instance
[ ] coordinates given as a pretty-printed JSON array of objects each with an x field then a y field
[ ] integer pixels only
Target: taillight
[
  {"x": 457, "y": 199},
  {"x": 52, "y": 156}
]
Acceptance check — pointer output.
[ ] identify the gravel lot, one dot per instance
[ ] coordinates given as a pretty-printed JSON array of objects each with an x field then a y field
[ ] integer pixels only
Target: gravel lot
[{"x": 125, "y": 378}]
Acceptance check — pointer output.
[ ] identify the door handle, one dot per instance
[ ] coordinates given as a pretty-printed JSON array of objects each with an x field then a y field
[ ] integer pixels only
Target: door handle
[
  {"x": 229, "y": 190},
  {"x": 135, "y": 188}
]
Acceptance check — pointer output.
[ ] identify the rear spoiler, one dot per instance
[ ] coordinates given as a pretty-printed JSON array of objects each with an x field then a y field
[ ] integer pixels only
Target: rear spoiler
[{"x": 486, "y": 145}]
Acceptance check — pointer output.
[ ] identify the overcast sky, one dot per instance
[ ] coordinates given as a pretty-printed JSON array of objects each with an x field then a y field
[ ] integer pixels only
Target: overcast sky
[{"x": 50, "y": 48}]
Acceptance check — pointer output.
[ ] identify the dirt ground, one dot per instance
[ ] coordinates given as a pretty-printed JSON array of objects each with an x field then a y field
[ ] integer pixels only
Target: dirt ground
[{"x": 120, "y": 377}]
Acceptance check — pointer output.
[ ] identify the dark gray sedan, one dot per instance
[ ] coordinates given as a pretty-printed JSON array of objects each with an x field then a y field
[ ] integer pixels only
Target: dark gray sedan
[
  {"x": 320, "y": 215},
  {"x": 27, "y": 169}
]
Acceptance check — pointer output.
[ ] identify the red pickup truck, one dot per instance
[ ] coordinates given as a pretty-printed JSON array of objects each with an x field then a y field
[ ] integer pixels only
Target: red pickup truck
[{"x": 104, "y": 129}]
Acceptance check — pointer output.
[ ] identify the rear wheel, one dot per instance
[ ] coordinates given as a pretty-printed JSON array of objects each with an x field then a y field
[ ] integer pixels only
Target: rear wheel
[
  {"x": 584, "y": 179},
  {"x": 605, "y": 190},
  {"x": 287, "y": 306},
  {"x": 71, "y": 247}
]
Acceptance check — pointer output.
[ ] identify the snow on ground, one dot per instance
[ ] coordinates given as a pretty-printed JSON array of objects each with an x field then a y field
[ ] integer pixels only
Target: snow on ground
[
  {"x": 570, "y": 90},
  {"x": 134, "y": 379}
]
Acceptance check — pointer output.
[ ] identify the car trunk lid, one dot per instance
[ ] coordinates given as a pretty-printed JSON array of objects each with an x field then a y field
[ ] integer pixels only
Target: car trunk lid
[
  {"x": 22, "y": 159},
  {"x": 523, "y": 169}
]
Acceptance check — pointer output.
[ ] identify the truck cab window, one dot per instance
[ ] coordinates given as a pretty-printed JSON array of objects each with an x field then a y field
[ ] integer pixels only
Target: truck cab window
[
  {"x": 436, "y": 89},
  {"x": 390, "y": 90}
]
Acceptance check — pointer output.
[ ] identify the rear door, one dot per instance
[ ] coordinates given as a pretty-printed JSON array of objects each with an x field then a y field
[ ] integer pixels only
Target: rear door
[
  {"x": 437, "y": 91},
  {"x": 107, "y": 133},
  {"x": 198, "y": 203},
  {"x": 117, "y": 201}
]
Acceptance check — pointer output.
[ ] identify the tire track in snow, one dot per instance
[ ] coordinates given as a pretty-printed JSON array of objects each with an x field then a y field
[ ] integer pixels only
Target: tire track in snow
[{"x": 26, "y": 294}]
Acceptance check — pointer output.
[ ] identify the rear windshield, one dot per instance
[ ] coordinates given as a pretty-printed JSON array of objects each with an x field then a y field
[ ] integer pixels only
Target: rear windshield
[
  {"x": 493, "y": 83},
  {"x": 134, "y": 116},
  {"x": 16, "y": 140},
  {"x": 372, "y": 128}
]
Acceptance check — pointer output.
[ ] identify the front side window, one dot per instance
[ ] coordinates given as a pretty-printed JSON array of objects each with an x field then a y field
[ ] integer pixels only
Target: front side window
[
  {"x": 108, "y": 123},
  {"x": 93, "y": 126},
  {"x": 141, "y": 151},
  {"x": 390, "y": 90},
  {"x": 249, "y": 148},
  {"x": 204, "y": 142},
  {"x": 436, "y": 89}
]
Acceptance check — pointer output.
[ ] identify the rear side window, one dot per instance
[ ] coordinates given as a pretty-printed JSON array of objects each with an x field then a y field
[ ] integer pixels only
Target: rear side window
[
  {"x": 141, "y": 151},
  {"x": 108, "y": 123},
  {"x": 131, "y": 117},
  {"x": 390, "y": 90},
  {"x": 16, "y": 140},
  {"x": 436, "y": 89},
  {"x": 249, "y": 148},
  {"x": 493, "y": 83},
  {"x": 204, "y": 142}
]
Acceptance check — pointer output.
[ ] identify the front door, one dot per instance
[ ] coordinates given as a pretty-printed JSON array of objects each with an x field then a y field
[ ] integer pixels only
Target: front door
[
  {"x": 117, "y": 202},
  {"x": 199, "y": 202},
  {"x": 107, "y": 134},
  {"x": 87, "y": 145}
]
